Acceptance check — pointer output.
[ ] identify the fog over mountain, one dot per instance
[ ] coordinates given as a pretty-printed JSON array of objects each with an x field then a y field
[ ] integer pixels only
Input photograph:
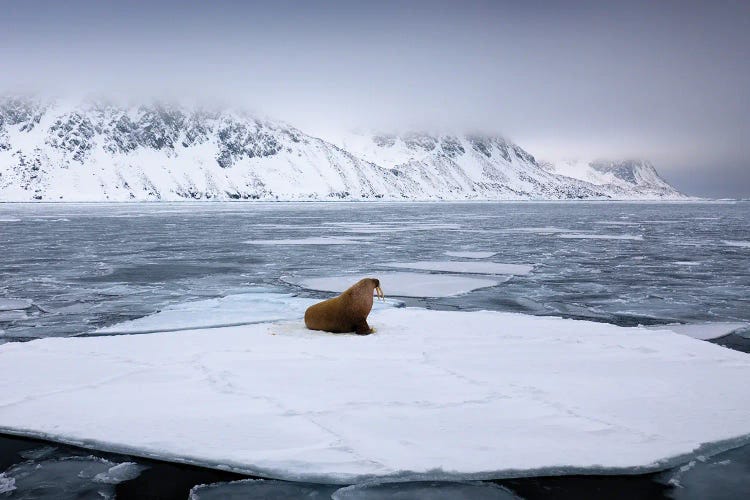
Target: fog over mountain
[{"x": 570, "y": 81}]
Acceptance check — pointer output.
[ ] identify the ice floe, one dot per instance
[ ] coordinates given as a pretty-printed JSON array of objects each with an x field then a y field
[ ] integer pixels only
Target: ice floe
[
  {"x": 433, "y": 395},
  {"x": 232, "y": 310},
  {"x": 67, "y": 478},
  {"x": 471, "y": 255},
  {"x": 435, "y": 490},
  {"x": 450, "y": 266},
  {"x": 9, "y": 219},
  {"x": 703, "y": 331},
  {"x": 14, "y": 304},
  {"x": 587, "y": 236},
  {"x": 313, "y": 240},
  {"x": 538, "y": 230},
  {"x": 404, "y": 284},
  {"x": 261, "y": 489},
  {"x": 736, "y": 243}
]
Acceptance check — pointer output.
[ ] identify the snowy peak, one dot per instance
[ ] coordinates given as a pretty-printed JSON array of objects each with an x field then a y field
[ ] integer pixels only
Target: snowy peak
[
  {"x": 98, "y": 151},
  {"x": 637, "y": 177}
]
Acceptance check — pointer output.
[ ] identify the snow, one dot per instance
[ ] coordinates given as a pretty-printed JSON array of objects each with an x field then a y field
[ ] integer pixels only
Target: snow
[
  {"x": 582, "y": 236},
  {"x": 471, "y": 255},
  {"x": 400, "y": 284},
  {"x": 313, "y": 240},
  {"x": 74, "y": 147},
  {"x": 433, "y": 395},
  {"x": 232, "y": 310},
  {"x": 14, "y": 304},
  {"x": 450, "y": 266},
  {"x": 735, "y": 243},
  {"x": 703, "y": 331}
]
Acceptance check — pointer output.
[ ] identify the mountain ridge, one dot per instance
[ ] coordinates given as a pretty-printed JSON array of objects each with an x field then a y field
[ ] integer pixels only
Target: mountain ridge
[{"x": 100, "y": 151}]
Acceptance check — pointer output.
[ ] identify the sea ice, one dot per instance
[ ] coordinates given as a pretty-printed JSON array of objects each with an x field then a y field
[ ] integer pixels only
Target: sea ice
[
  {"x": 232, "y": 310},
  {"x": 584, "y": 236},
  {"x": 702, "y": 331},
  {"x": 7, "y": 484},
  {"x": 471, "y": 255},
  {"x": 736, "y": 243},
  {"x": 433, "y": 395},
  {"x": 313, "y": 240},
  {"x": 14, "y": 304},
  {"x": 435, "y": 490},
  {"x": 404, "y": 284},
  {"x": 261, "y": 489},
  {"x": 451, "y": 266},
  {"x": 69, "y": 478}
]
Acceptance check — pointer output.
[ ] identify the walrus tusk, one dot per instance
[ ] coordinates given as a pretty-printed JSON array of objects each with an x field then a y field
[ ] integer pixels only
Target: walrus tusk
[{"x": 380, "y": 293}]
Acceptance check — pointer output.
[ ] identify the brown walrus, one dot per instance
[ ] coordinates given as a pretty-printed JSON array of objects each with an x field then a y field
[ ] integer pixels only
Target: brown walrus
[{"x": 347, "y": 312}]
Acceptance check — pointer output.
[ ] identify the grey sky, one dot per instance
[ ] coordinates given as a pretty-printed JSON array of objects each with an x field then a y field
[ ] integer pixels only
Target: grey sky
[{"x": 668, "y": 81}]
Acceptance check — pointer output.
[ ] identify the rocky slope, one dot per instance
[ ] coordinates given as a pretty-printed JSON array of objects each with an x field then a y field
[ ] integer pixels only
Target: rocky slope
[{"x": 97, "y": 151}]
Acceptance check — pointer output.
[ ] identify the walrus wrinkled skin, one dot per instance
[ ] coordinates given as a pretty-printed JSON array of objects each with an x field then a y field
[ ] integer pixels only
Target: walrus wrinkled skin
[{"x": 346, "y": 313}]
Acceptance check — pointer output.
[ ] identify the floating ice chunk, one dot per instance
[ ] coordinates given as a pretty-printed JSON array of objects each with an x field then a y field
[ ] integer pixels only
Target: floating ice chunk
[
  {"x": 617, "y": 223},
  {"x": 722, "y": 477},
  {"x": 584, "y": 236},
  {"x": 435, "y": 490},
  {"x": 313, "y": 240},
  {"x": 261, "y": 489},
  {"x": 9, "y": 219},
  {"x": 463, "y": 267},
  {"x": 433, "y": 395},
  {"x": 232, "y": 310},
  {"x": 687, "y": 263},
  {"x": 14, "y": 304},
  {"x": 703, "y": 331},
  {"x": 63, "y": 479},
  {"x": 405, "y": 284},
  {"x": 540, "y": 230},
  {"x": 13, "y": 315},
  {"x": 737, "y": 243},
  {"x": 7, "y": 484},
  {"x": 120, "y": 473},
  {"x": 471, "y": 255}
]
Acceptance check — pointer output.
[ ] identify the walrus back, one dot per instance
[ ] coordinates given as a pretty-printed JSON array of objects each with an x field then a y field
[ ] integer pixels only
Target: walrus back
[{"x": 325, "y": 315}]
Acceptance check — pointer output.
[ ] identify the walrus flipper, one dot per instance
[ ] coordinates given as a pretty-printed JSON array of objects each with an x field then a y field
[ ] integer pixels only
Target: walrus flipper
[{"x": 363, "y": 328}]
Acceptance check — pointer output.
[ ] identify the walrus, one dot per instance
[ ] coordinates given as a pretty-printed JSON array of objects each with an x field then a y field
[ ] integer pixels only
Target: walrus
[{"x": 346, "y": 313}]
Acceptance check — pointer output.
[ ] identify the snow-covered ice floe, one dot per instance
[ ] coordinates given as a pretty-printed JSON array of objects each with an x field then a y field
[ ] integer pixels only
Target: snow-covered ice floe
[
  {"x": 404, "y": 284},
  {"x": 450, "y": 266},
  {"x": 703, "y": 331},
  {"x": 433, "y": 395},
  {"x": 587, "y": 236},
  {"x": 735, "y": 243},
  {"x": 14, "y": 304},
  {"x": 232, "y": 310},
  {"x": 471, "y": 255},
  {"x": 313, "y": 240}
]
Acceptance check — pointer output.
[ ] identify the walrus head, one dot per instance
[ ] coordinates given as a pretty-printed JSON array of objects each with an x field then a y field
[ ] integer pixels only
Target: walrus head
[{"x": 376, "y": 286}]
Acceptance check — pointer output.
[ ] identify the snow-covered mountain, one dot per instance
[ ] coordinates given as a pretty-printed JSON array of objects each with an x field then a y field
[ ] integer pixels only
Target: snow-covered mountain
[
  {"x": 98, "y": 151},
  {"x": 623, "y": 178}
]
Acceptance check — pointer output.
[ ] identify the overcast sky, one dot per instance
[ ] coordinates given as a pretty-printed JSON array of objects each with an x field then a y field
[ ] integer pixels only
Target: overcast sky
[{"x": 667, "y": 81}]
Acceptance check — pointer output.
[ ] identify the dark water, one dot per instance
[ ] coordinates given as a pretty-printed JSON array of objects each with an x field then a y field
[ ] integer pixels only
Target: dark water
[{"x": 88, "y": 266}]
